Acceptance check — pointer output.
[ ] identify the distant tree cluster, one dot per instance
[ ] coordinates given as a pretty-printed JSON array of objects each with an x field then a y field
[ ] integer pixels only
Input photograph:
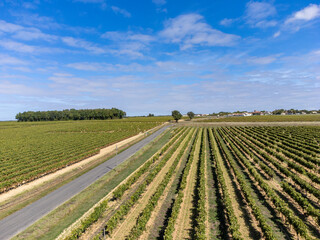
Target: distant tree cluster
[
  {"x": 71, "y": 114},
  {"x": 294, "y": 111}
]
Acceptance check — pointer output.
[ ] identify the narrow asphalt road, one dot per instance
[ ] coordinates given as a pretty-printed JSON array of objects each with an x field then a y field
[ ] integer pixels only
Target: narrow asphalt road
[{"x": 20, "y": 220}]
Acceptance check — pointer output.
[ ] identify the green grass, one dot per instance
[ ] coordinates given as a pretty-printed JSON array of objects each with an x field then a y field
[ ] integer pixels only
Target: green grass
[
  {"x": 55, "y": 222},
  {"x": 268, "y": 118}
]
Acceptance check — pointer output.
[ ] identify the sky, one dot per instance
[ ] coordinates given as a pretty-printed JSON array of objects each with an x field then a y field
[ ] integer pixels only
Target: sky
[{"x": 155, "y": 56}]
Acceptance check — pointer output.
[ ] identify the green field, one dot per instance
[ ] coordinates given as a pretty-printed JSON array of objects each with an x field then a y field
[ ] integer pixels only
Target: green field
[
  {"x": 267, "y": 118},
  {"x": 217, "y": 183},
  {"x": 29, "y": 150}
]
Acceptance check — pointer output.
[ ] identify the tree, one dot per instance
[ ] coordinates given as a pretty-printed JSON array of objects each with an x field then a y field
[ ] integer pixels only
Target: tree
[
  {"x": 176, "y": 115},
  {"x": 190, "y": 115}
]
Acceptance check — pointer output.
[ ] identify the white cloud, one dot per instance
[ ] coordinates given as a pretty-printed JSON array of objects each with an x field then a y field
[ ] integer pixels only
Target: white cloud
[
  {"x": 9, "y": 27},
  {"x": 124, "y": 36},
  {"x": 24, "y": 33},
  {"x": 227, "y": 21},
  {"x": 123, "y": 12},
  {"x": 266, "y": 23},
  {"x": 7, "y": 87},
  {"x": 141, "y": 38},
  {"x": 79, "y": 43},
  {"x": 277, "y": 34},
  {"x": 259, "y": 10},
  {"x": 90, "y": 66},
  {"x": 17, "y": 46},
  {"x": 308, "y": 13},
  {"x": 258, "y": 14},
  {"x": 261, "y": 60},
  {"x": 9, "y": 60},
  {"x": 191, "y": 29},
  {"x": 34, "y": 34}
]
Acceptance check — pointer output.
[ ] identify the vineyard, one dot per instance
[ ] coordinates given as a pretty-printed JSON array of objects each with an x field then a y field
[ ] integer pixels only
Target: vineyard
[
  {"x": 30, "y": 150},
  {"x": 217, "y": 183},
  {"x": 268, "y": 118}
]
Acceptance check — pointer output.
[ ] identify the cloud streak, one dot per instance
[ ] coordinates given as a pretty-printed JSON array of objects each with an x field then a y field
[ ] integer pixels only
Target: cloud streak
[{"x": 191, "y": 30}]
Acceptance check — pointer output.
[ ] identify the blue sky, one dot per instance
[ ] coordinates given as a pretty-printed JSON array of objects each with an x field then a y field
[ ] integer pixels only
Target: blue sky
[{"x": 159, "y": 55}]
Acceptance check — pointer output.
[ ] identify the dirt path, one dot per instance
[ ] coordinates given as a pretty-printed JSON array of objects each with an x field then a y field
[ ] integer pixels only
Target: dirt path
[
  {"x": 124, "y": 228},
  {"x": 184, "y": 222},
  {"x": 79, "y": 165},
  {"x": 233, "y": 196}
]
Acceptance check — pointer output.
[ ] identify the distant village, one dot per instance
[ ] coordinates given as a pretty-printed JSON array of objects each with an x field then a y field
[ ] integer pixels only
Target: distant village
[{"x": 259, "y": 113}]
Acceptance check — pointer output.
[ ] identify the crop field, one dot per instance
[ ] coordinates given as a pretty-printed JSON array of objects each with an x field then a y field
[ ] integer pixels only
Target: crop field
[
  {"x": 268, "y": 118},
  {"x": 217, "y": 183},
  {"x": 32, "y": 149}
]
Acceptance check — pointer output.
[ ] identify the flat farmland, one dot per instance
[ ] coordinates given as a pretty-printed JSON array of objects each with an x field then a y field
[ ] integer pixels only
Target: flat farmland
[
  {"x": 266, "y": 118},
  {"x": 33, "y": 149},
  {"x": 217, "y": 183}
]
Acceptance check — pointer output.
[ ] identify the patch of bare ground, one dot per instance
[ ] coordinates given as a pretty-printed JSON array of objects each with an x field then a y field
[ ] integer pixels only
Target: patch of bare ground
[
  {"x": 124, "y": 228},
  {"x": 183, "y": 224}
]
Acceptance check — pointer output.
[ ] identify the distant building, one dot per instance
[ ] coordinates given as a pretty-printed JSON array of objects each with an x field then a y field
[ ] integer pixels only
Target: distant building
[
  {"x": 256, "y": 113},
  {"x": 237, "y": 115}
]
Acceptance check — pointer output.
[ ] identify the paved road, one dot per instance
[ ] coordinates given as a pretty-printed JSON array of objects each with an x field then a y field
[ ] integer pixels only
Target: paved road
[{"x": 20, "y": 220}]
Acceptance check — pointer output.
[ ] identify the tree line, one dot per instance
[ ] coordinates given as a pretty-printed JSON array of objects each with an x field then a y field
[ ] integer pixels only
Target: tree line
[{"x": 71, "y": 114}]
